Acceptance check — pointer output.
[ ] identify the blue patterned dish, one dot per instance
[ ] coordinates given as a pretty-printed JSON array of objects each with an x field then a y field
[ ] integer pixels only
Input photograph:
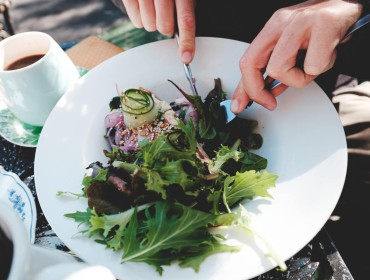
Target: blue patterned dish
[{"x": 15, "y": 193}]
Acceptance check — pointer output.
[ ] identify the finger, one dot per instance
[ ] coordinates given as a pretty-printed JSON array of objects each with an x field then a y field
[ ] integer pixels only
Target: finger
[
  {"x": 279, "y": 90},
  {"x": 252, "y": 65},
  {"x": 147, "y": 12},
  {"x": 133, "y": 12},
  {"x": 321, "y": 53},
  {"x": 284, "y": 64},
  {"x": 165, "y": 16},
  {"x": 186, "y": 24},
  {"x": 283, "y": 61},
  {"x": 243, "y": 94},
  {"x": 239, "y": 99},
  {"x": 276, "y": 91}
]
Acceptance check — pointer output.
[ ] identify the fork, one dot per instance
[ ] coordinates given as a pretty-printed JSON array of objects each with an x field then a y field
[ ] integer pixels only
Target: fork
[
  {"x": 187, "y": 70},
  {"x": 225, "y": 105}
]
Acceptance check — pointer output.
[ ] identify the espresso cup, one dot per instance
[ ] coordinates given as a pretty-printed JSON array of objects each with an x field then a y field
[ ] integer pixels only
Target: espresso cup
[{"x": 34, "y": 74}]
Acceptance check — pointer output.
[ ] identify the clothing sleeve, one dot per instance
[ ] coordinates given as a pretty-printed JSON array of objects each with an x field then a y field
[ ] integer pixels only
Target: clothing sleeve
[
  {"x": 353, "y": 57},
  {"x": 365, "y": 6},
  {"x": 353, "y": 104}
]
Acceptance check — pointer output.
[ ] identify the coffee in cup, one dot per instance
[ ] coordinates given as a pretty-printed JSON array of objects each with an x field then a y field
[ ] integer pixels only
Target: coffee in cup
[{"x": 23, "y": 62}]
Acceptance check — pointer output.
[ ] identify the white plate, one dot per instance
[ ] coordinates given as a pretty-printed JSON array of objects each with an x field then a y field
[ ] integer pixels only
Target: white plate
[
  {"x": 303, "y": 141},
  {"x": 17, "y": 195}
]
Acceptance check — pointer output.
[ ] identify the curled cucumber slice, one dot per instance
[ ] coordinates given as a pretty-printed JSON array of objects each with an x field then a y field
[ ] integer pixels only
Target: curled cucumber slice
[{"x": 138, "y": 107}]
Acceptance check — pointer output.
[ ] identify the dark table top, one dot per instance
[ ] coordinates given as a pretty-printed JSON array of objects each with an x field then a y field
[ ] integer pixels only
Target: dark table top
[{"x": 319, "y": 259}]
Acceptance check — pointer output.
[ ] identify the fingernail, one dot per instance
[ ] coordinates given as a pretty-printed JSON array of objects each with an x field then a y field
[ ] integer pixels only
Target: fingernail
[
  {"x": 234, "y": 106},
  {"x": 186, "y": 57},
  {"x": 270, "y": 107}
]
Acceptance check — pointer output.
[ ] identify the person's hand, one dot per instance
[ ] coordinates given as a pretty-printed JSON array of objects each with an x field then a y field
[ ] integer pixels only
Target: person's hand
[
  {"x": 164, "y": 16},
  {"x": 315, "y": 26}
]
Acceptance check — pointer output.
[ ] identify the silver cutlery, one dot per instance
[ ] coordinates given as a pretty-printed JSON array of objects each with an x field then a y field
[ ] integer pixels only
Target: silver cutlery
[{"x": 275, "y": 83}]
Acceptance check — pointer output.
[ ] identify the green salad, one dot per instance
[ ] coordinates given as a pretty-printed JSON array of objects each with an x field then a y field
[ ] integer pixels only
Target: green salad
[{"x": 174, "y": 171}]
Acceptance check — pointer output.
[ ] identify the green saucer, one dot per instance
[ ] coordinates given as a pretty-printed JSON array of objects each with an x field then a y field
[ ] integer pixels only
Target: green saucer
[{"x": 16, "y": 131}]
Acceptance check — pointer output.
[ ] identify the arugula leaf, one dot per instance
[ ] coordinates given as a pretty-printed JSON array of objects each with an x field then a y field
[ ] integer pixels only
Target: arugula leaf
[
  {"x": 160, "y": 151},
  {"x": 107, "y": 222},
  {"x": 89, "y": 179},
  {"x": 190, "y": 132},
  {"x": 81, "y": 217},
  {"x": 248, "y": 185},
  {"x": 181, "y": 172},
  {"x": 172, "y": 227},
  {"x": 155, "y": 182},
  {"x": 107, "y": 225},
  {"x": 168, "y": 231},
  {"x": 129, "y": 167}
]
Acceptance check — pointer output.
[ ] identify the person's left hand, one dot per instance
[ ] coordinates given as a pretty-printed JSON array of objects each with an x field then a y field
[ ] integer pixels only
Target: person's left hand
[
  {"x": 162, "y": 15},
  {"x": 316, "y": 26}
]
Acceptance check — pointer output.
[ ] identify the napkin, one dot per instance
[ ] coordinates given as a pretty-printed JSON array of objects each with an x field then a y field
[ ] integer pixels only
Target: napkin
[{"x": 92, "y": 51}]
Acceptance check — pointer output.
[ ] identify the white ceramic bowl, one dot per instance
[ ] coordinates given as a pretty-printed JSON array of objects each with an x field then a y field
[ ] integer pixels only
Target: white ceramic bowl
[{"x": 18, "y": 196}]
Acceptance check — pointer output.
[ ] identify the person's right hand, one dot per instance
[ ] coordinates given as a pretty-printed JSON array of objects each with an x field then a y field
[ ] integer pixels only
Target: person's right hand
[
  {"x": 316, "y": 26},
  {"x": 162, "y": 15}
]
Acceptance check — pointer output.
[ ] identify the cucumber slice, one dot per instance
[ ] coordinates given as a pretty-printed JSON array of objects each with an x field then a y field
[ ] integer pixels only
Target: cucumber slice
[{"x": 139, "y": 108}]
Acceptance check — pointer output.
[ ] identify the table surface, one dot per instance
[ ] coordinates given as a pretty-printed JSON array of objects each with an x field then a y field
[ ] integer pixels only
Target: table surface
[{"x": 319, "y": 259}]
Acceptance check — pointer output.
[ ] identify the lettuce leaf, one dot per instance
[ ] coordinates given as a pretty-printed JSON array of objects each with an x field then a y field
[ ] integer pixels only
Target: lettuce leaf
[
  {"x": 176, "y": 230},
  {"x": 247, "y": 185}
]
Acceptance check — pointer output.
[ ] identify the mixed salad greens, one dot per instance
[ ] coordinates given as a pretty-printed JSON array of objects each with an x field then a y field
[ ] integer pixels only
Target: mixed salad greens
[{"x": 174, "y": 172}]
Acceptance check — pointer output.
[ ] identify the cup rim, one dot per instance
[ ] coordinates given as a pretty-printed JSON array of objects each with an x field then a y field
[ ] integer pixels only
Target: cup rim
[{"x": 16, "y": 37}]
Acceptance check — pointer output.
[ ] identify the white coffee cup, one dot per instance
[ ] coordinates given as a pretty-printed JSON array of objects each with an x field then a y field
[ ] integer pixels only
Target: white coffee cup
[
  {"x": 33, "y": 262},
  {"x": 31, "y": 92}
]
